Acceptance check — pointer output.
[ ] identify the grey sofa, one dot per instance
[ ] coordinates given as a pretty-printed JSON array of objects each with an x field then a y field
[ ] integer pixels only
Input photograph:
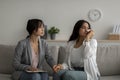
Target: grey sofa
[{"x": 108, "y": 59}]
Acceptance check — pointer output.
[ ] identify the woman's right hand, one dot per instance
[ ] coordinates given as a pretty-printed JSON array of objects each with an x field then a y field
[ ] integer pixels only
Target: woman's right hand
[{"x": 30, "y": 68}]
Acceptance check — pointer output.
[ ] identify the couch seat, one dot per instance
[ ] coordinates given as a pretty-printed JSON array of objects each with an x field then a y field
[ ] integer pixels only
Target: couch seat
[
  {"x": 5, "y": 77},
  {"x": 117, "y": 77}
]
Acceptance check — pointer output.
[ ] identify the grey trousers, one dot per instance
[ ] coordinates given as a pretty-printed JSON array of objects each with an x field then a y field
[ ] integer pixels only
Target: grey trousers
[{"x": 70, "y": 75}]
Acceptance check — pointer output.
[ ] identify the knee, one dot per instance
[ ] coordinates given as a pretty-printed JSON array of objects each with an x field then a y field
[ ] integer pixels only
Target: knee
[
  {"x": 44, "y": 75},
  {"x": 56, "y": 76},
  {"x": 36, "y": 76},
  {"x": 68, "y": 76},
  {"x": 61, "y": 72}
]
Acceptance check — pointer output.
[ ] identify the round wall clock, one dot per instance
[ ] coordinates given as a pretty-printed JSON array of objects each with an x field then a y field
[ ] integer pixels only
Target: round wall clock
[{"x": 94, "y": 14}]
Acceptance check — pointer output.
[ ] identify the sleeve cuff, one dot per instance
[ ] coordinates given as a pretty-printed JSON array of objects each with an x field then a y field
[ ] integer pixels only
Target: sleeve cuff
[{"x": 65, "y": 66}]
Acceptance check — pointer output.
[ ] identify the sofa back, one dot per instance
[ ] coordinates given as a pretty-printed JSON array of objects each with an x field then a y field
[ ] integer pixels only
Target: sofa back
[
  {"x": 6, "y": 58},
  {"x": 108, "y": 59},
  {"x": 54, "y": 53}
]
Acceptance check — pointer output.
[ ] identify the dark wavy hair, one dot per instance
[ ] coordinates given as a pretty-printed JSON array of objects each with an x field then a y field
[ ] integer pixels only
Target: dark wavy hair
[
  {"x": 33, "y": 24},
  {"x": 78, "y": 25}
]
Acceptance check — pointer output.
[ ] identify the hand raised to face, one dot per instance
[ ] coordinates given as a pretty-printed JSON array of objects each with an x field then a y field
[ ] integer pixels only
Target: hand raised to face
[{"x": 89, "y": 35}]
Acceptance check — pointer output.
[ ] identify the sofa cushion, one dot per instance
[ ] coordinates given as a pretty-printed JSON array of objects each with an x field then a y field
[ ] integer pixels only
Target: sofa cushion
[
  {"x": 54, "y": 52},
  {"x": 117, "y": 77},
  {"x": 108, "y": 59},
  {"x": 5, "y": 77},
  {"x": 61, "y": 54},
  {"x": 6, "y": 57}
]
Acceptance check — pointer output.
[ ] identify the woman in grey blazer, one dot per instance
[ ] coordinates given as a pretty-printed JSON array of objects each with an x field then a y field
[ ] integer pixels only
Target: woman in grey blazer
[{"x": 31, "y": 52}]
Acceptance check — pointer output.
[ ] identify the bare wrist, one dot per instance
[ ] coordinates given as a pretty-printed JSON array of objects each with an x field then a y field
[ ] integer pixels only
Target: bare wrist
[{"x": 87, "y": 39}]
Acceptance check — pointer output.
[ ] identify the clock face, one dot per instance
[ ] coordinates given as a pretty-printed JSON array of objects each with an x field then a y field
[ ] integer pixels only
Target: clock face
[{"x": 94, "y": 15}]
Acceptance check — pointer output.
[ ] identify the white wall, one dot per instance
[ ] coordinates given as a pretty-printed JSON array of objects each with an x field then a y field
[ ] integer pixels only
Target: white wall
[{"x": 60, "y": 13}]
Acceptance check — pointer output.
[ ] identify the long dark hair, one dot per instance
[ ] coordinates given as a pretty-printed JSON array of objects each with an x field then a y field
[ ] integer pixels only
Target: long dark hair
[{"x": 78, "y": 25}]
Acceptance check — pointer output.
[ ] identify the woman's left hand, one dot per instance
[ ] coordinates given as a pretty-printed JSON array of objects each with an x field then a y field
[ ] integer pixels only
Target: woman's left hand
[{"x": 56, "y": 68}]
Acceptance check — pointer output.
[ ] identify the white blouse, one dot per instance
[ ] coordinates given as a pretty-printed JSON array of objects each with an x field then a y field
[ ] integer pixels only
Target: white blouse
[{"x": 90, "y": 64}]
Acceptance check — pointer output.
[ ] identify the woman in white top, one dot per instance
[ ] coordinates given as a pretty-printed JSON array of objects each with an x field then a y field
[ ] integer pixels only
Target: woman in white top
[{"x": 80, "y": 62}]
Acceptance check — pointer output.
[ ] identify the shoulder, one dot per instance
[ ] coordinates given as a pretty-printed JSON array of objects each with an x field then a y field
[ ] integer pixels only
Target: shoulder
[
  {"x": 43, "y": 41},
  {"x": 93, "y": 42},
  {"x": 22, "y": 42},
  {"x": 71, "y": 42}
]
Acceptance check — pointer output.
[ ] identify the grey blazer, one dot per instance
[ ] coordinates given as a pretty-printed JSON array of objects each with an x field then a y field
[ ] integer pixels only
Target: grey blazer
[{"x": 23, "y": 56}]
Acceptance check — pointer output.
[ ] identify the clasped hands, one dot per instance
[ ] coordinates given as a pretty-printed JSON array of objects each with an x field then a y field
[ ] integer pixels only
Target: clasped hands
[{"x": 58, "y": 67}]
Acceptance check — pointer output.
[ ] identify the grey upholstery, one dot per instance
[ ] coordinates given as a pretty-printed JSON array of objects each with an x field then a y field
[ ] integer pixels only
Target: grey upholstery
[
  {"x": 54, "y": 52},
  {"x": 114, "y": 77},
  {"x": 6, "y": 57},
  {"x": 5, "y": 76},
  {"x": 62, "y": 54},
  {"x": 108, "y": 59}
]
